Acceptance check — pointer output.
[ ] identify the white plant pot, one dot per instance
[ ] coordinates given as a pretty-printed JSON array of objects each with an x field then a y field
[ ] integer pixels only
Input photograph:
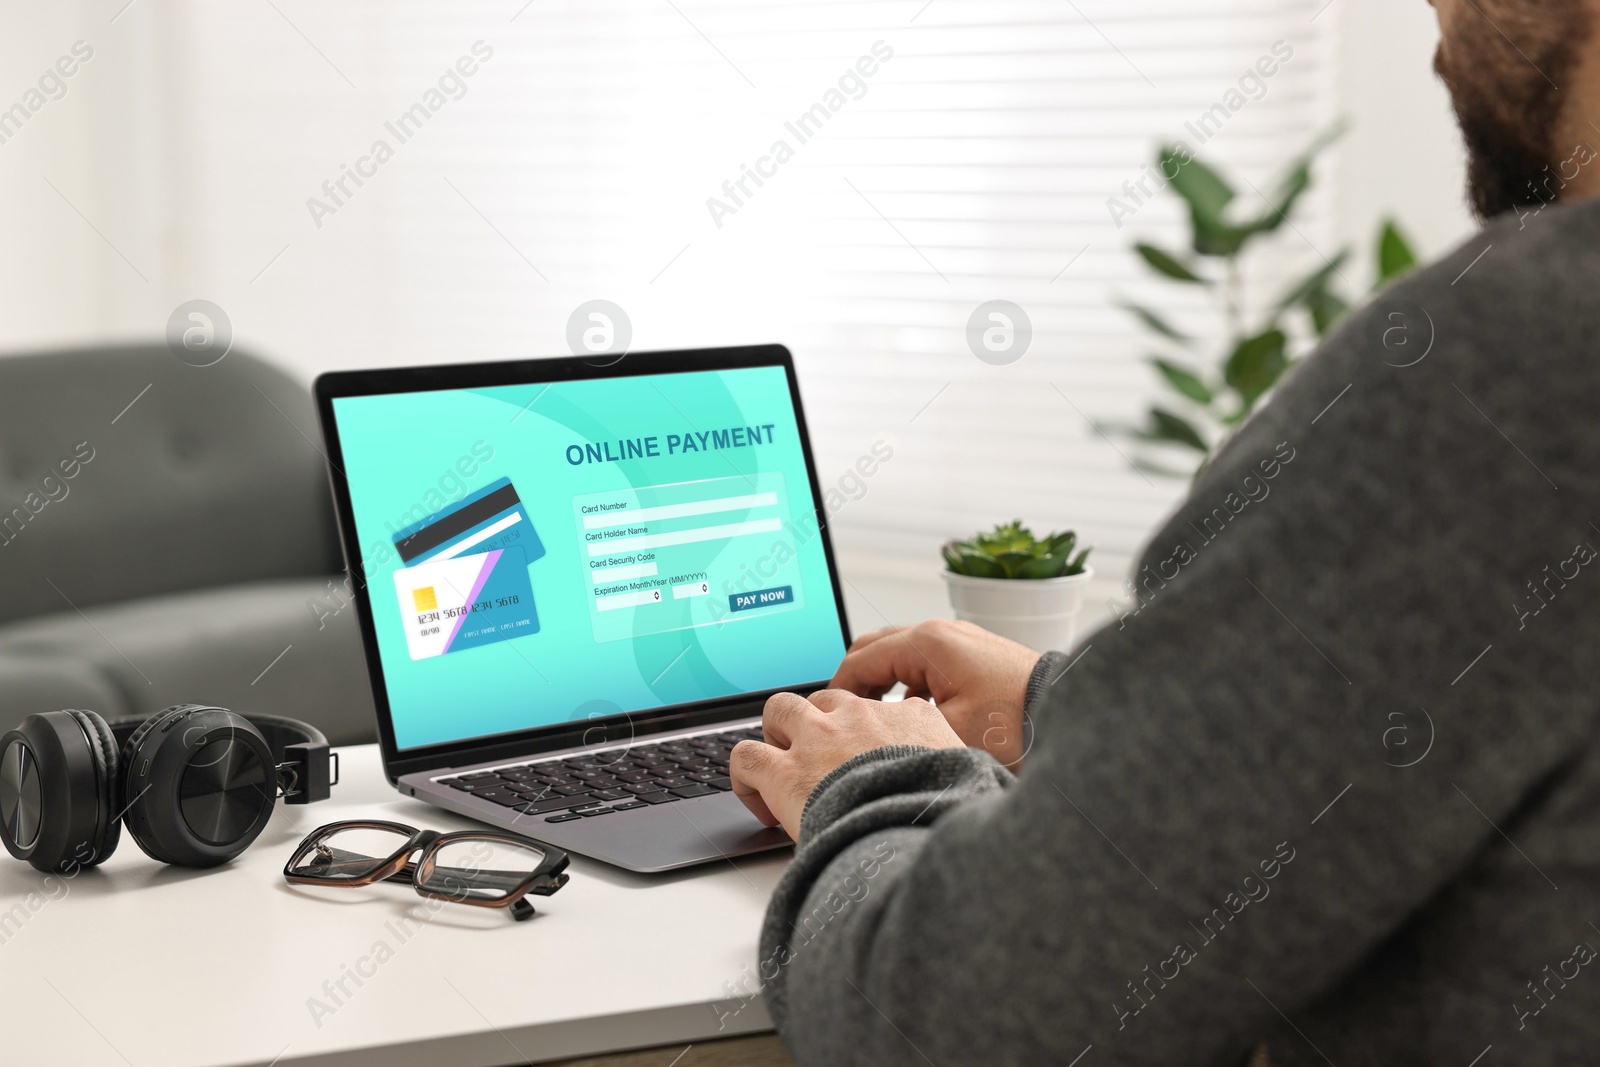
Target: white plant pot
[{"x": 1039, "y": 613}]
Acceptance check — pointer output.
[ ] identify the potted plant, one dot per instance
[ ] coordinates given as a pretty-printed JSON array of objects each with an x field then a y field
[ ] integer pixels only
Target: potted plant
[
  {"x": 1018, "y": 586},
  {"x": 1211, "y": 397}
]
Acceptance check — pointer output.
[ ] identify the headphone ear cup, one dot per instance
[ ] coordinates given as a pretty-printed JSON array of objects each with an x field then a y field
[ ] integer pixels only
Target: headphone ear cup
[
  {"x": 58, "y": 773},
  {"x": 103, "y": 751},
  {"x": 136, "y": 738},
  {"x": 199, "y": 785},
  {"x": 137, "y": 801}
]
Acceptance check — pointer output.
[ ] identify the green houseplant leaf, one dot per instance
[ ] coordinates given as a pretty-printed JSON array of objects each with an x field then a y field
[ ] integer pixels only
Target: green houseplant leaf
[
  {"x": 1394, "y": 253},
  {"x": 1226, "y": 239},
  {"x": 1203, "y": 189},
  {"x": 1013, "y": 562},
  {"x": 1326, "y": 309},
  {"x": 1260, "y": 346},
  {"x": 1290, "y": 190},
  {"x": 1256, "y": 364},
  {"x": 1214, "y": 237},
  {"x": 1294, "y": 183},
  {"x": 1011, "y": 551},
  {"x": 1157, "y": 323},
  {"x": 1312, "y": 283},
  {"x": 1208, "y": 195},
  {"x": 1007, "y": 537},
  {"x": 1168, "y": 264},
  {"x": 1038, "y": 567},
  {"x": 1167, "y": 428},
  {"x": 1184, "y": 381},
  {"x": 1060, "y": 544},
  {"x": 975, "y": 565}
]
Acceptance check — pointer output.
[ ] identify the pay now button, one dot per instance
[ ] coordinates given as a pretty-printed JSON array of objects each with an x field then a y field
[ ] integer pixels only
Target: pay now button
[{"x": 761, "y": 598}]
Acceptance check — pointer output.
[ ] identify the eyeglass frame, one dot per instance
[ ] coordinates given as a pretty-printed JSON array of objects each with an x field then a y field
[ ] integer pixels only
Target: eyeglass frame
[{"x": 549, "y": 876}]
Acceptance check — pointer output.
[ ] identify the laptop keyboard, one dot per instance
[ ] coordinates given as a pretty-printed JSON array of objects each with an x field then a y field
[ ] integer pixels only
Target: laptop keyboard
[{"x": 565, "y": 789}]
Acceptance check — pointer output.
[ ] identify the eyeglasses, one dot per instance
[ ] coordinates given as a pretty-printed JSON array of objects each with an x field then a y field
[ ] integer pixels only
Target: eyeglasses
[{"x": 481, "y": 868}]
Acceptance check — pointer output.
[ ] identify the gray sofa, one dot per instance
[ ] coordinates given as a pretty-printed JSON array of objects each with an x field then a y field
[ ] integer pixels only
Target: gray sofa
[{"x": 167, "y": 536}]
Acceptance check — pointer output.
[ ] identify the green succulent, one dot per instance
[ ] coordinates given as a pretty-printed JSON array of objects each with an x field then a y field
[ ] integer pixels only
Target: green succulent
[{"x": 1011, "y": 551}]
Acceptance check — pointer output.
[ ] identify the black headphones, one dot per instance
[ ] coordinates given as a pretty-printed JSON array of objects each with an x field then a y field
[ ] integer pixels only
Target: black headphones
[{"x": 195, "y": 784}]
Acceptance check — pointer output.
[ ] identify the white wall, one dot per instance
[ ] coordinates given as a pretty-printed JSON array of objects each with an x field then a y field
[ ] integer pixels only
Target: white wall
[
  {"x": 50, "y": 259},
  {"x": 115, "y": 146},
  {"x": 111, "y": 149},
  {"x": 1403, "y": 155}
]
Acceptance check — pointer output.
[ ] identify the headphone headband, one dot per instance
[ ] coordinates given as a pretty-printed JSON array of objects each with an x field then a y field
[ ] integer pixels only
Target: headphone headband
[{"x": 306, "y": 767}]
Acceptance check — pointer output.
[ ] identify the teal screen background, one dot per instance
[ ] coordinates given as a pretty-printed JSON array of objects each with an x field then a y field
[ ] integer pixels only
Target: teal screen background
[{"x": 408, "y": 455}]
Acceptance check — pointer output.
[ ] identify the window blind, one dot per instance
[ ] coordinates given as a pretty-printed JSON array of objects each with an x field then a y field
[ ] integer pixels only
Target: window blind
[{"x": 938, "y": 155}]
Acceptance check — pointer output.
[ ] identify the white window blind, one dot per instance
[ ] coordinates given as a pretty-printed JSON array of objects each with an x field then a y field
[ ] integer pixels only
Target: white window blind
[{"x": 976, "y": 164}]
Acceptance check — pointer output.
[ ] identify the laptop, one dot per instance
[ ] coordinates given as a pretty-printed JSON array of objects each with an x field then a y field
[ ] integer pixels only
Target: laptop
[{"x": 578, "y": 581}]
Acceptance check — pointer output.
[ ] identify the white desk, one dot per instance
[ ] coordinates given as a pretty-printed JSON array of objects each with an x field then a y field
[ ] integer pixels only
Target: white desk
[{"x": 143, "y": 965}]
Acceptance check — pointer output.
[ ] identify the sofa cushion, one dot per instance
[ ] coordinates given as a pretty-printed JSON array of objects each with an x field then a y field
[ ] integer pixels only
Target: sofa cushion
[
  {"x": 125, "y": 472},
  {"x": 286, "y": 647},
  {"x": 34, "y": 683}
]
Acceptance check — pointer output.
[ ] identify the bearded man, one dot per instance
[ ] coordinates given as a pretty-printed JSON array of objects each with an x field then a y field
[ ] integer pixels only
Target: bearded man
[{"x": 1334, "y": 796}]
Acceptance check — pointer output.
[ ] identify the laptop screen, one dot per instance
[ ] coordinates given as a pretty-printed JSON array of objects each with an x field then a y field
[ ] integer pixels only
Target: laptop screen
[{"x": 548, "y": 552}]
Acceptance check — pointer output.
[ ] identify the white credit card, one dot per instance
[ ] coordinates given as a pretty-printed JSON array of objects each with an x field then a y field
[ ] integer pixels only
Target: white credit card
[{"x": 453, "y": 603}]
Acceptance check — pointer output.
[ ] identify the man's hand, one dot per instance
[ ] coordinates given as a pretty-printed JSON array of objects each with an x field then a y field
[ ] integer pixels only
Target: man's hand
[
  {"x": 978, "y": 679},
  {"x": 806, "y": 739}
]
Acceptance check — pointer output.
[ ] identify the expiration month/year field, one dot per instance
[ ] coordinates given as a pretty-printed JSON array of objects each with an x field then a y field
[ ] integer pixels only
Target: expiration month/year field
[{"x": 658, "y": 557}]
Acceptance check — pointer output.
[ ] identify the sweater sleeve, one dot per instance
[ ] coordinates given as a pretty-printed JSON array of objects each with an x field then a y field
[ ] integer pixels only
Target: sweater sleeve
[
  {"x": 1226, "y": 821},
  {"x": 1046, "y": 673}
]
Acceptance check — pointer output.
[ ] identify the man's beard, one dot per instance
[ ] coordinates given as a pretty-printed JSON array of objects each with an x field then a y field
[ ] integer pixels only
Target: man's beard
[{"x": 1508, "y": 104}]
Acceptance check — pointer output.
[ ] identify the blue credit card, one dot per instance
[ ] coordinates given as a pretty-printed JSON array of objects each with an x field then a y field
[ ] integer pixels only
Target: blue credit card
[
  {"x": 452, "y": 603},
  {"x": 491, "y": 518}
]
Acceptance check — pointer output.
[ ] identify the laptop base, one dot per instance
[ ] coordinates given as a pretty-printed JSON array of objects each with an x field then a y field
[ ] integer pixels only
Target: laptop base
[{"x": 684, "y": 834}]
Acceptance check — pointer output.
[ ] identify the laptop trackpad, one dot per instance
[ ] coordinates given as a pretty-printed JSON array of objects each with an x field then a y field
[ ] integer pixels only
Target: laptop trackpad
[{"x": 670, "y": 835}]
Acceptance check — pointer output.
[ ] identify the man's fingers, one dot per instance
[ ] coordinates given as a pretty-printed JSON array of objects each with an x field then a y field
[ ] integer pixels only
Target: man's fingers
[
  {"x": 871, "y": 670},
  {"x": 783, "y": 716},
  {"x": 832, "y": 699},
  {"x": 751, "y": 767},
  {"x": 864, "y": 640}
]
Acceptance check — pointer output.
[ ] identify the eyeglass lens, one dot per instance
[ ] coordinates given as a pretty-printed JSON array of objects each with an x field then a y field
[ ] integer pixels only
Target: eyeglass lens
[
  {"x": 478, "y": 868},
  {"x": 348, "y": 852}
]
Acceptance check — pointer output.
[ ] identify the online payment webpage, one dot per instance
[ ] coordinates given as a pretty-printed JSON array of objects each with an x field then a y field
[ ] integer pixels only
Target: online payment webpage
[{"x": 556, "y": 551}]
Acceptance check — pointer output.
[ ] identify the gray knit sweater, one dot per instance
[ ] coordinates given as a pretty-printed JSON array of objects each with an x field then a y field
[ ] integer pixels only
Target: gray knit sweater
[{"x": 1333, "y": 787}]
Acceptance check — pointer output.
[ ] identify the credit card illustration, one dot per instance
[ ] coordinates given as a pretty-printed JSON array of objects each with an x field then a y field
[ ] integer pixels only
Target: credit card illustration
[
  {"x": 491, "y": 518},
  {"x": 460, "y": 602}
]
